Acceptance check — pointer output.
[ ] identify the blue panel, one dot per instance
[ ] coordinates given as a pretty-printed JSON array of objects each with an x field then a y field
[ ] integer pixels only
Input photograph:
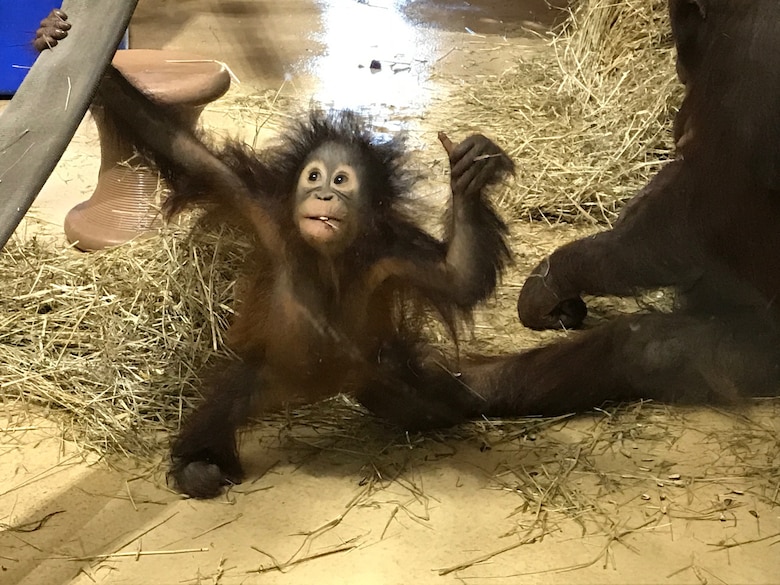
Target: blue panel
[{"x": 19, "y": 19}]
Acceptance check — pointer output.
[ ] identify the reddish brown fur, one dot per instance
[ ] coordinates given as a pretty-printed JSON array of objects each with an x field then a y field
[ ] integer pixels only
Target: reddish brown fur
[
  {"x": 314, "y": 323},
  {"x": 325, "y": 310}
]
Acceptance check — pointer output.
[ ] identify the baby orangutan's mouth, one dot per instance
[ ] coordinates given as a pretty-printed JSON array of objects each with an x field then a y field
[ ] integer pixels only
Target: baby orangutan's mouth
[{"x": 331, "y": 222}]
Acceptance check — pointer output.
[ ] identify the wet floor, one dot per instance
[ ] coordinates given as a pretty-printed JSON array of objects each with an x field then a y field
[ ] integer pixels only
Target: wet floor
[
  {"x": 328, "y": 47},
  {"x": 454, "y": 502}
]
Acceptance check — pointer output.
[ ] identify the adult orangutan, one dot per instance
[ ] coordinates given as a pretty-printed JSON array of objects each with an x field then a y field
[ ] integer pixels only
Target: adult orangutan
[{"x": 707, "y": 224}]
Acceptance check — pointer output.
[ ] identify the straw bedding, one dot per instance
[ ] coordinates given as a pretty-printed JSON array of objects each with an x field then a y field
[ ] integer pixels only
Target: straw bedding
[
  {"x": 113, "y": 342},
  {"x": 587, "y": 122}
]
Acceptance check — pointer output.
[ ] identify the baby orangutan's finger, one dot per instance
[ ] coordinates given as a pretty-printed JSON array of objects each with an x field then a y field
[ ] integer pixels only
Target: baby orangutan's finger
[{"x": 446, "y": 142}]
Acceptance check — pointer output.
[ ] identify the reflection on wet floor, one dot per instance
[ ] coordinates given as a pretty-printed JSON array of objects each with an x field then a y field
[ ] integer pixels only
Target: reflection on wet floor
[
  {"x": 377, "y": 54},
  {"x": 372, "y": 54},
  {"x": 323, "y": 49}
]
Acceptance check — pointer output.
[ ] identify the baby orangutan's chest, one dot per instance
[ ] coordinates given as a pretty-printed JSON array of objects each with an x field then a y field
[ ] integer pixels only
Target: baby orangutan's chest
[{"x": 311, "y": 337}]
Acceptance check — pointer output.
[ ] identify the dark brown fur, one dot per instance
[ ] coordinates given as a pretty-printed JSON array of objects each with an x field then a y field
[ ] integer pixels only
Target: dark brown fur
[{"x": 707, "y": 224}]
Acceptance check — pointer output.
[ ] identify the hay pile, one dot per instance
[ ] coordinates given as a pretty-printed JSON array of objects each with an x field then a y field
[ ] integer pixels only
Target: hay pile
[
  {"x": 588, "y": 123},
  {"x": 113, "y": 341}
]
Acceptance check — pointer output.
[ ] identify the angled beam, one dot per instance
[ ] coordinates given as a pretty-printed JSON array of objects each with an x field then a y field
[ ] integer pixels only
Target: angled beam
[{"x": 43, "y": 115}]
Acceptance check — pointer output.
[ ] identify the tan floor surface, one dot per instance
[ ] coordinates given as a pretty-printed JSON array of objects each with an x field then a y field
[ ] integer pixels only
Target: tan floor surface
[{"x": 652, "y": 495}]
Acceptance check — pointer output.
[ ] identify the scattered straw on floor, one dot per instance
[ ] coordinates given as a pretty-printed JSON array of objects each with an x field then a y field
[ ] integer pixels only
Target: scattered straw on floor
[
  {"x": 113, "y": 339},
  {"x": 112, "y": 342}
]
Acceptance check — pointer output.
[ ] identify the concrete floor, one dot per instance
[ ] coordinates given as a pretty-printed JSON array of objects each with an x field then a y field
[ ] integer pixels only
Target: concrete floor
[{"x": 684, "y": 496}]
